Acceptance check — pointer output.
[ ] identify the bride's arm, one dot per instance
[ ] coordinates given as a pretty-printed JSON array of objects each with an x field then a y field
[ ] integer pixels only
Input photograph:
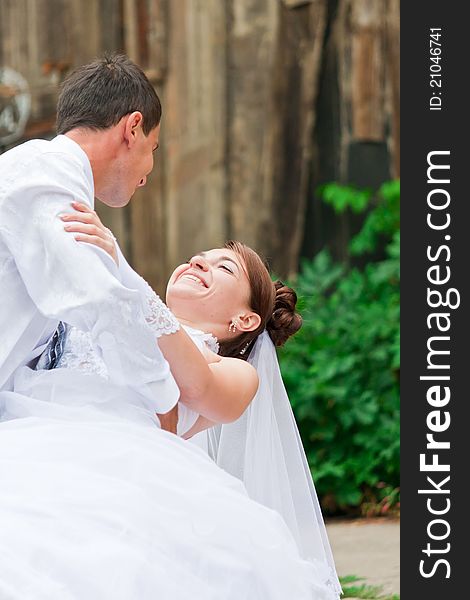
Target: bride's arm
[{"x": 219, "y": 390}]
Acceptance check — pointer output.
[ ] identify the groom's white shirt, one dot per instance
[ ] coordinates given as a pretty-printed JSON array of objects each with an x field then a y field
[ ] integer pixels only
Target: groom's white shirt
[{"x": 47, "y": 277}]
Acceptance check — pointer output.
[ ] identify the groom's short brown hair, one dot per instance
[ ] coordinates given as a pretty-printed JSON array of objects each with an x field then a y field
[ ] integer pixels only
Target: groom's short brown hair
[{"x": 97, "y": 95}]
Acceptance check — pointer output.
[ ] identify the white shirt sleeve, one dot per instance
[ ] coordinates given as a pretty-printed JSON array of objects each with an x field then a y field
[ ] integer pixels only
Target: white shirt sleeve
[{"x": 70, "y": 281}]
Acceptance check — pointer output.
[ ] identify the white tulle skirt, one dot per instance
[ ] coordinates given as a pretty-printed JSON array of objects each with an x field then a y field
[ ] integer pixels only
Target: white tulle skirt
[{"x": 99, "y": 504}]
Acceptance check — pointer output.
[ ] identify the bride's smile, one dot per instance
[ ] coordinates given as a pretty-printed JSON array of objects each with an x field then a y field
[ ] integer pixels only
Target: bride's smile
[
  {"x": 210, "y": 290},
  {"x": 210, "y": 268},
  {"x": 196, "y": 278}
]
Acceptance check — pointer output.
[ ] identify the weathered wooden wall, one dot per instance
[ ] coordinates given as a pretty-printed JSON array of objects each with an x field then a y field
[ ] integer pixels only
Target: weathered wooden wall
[
  {"x": 356, "y": 137},
  {"x": 276, "y": 54},
  {"x": 262, "y": 100}
]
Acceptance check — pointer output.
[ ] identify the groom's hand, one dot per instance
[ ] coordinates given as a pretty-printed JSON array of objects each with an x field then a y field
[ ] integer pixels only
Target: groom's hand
[{"x": 169, "y": 420}]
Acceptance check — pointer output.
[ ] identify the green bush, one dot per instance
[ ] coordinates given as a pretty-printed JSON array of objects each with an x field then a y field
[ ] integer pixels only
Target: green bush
[{"x": 341, "y": 370}]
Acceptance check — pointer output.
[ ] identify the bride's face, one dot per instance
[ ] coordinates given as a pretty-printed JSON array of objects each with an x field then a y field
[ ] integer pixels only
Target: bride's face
[{"x": 210, "y": 290}]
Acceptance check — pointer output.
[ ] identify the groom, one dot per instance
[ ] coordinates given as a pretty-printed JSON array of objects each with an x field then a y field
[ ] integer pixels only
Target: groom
[{"x": 108, "y": 121}]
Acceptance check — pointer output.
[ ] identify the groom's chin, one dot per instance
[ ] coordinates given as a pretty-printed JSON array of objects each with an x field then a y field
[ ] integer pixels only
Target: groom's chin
[{"x": 113, "y": 201}]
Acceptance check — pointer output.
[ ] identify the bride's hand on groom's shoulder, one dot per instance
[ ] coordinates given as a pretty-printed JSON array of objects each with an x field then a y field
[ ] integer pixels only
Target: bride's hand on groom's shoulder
[{"x": 87, "y": 227}]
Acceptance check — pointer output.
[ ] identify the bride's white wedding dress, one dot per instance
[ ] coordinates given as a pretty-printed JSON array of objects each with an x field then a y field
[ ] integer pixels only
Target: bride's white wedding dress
[{"x": 97, "y": 502}]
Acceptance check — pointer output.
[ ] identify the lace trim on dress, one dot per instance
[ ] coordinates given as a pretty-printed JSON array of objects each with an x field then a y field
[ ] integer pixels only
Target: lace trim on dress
[
  {"x": 207, "y": 338},
  {"x": 157, "y": 314},
  {"x": 79, "y": 354},
  {"x": 211, "y": 342},
  {"x": 71, "y": 348}
]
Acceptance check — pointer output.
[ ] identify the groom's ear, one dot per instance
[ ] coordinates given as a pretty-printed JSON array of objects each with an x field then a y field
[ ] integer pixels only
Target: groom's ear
[
  {"x": 132, "y": 127},
  {"x": 248, "y": 321}
]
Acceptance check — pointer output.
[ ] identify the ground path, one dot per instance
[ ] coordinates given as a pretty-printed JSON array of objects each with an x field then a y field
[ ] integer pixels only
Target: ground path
[{"x": 368, "y": 548}]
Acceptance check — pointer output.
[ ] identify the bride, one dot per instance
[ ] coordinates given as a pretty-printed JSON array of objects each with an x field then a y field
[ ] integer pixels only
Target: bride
[{"x": 98, "y": 502}]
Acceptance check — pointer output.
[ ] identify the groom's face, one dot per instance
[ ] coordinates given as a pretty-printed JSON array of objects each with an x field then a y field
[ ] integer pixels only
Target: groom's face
[
  {"x": 141, "y": 161},
  {"x": 130, "y": 168}
]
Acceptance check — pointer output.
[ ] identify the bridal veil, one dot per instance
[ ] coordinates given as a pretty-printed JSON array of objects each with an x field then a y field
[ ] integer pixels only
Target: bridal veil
[{"x": 263, "y": 448}]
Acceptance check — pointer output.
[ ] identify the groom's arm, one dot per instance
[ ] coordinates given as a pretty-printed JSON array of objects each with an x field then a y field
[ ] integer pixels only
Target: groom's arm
[{"x": 74, "y": 283}]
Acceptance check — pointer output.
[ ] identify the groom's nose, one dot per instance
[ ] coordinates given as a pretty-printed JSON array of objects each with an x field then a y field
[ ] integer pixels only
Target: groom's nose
[{"x": 142, "y": 182}]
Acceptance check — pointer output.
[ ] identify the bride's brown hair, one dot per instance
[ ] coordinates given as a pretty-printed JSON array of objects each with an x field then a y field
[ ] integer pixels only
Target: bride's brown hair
[{"x": 274, "y": 302}]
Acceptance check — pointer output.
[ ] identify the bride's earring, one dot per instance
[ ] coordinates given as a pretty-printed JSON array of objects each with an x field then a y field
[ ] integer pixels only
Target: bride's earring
[{"x": 233, "y": 326}]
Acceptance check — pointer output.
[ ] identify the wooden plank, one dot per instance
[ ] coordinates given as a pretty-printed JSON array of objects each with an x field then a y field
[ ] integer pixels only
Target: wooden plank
[
  {"x": 367, "y": 34},
  {"x": 272, "y": 124},
  {"x": 193, "y": 124},
  {"x": 251, "y": 52},
  {"x": 392, "y": 61}
]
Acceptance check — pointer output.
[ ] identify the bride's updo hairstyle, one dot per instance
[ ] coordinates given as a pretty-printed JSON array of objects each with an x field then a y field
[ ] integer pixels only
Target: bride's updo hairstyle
[{"x": 274, "y": 302}]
